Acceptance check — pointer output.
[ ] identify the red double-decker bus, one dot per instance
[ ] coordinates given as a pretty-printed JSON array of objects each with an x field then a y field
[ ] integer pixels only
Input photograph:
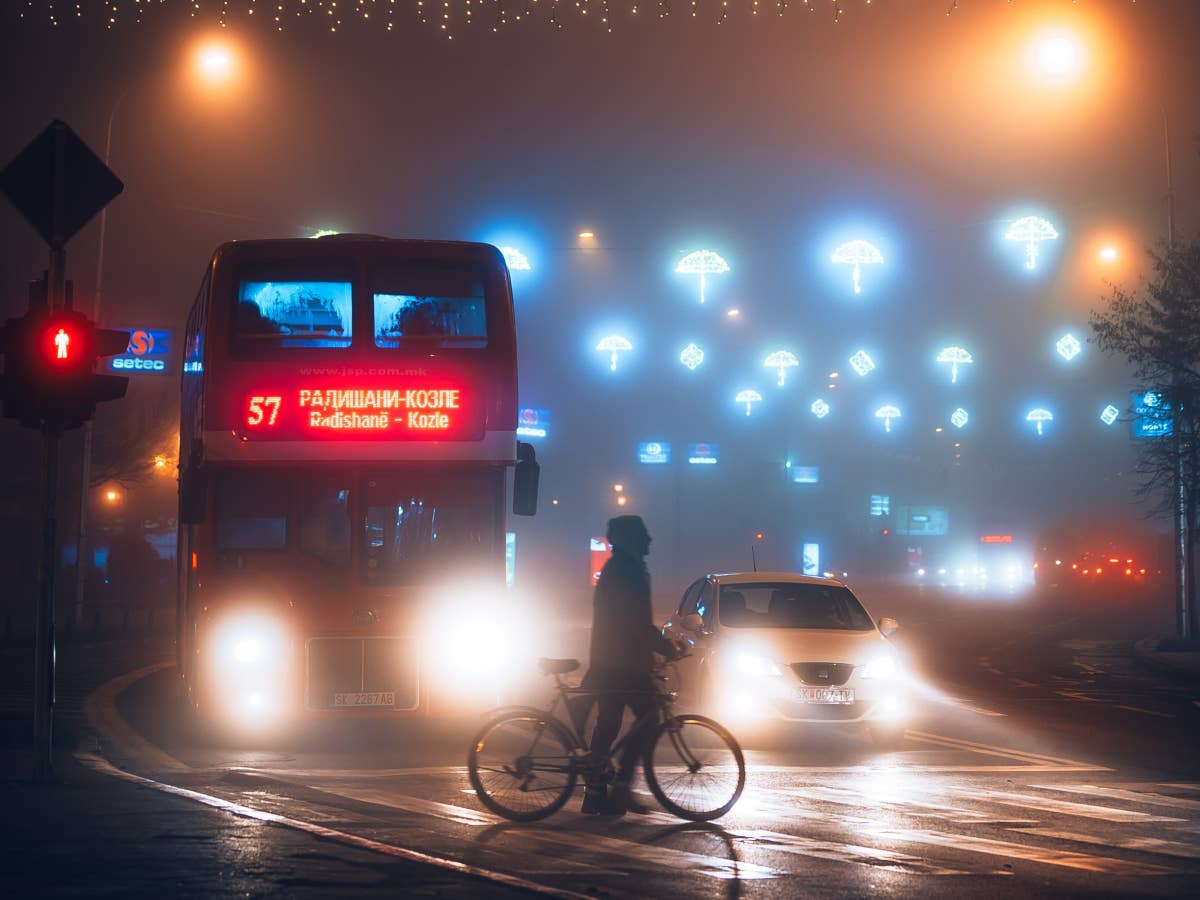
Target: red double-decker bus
[{"x": 347, "y": 430}]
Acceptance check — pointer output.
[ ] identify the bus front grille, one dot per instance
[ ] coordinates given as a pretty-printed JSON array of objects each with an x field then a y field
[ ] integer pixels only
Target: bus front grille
[{"x": 340, "y": 667}]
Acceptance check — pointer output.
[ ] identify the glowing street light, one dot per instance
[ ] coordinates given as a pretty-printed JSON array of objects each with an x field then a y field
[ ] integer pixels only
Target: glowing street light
[
  {"x": 111, "y": 496},
  {"x": 1108, "y": 254},
  {"x": 749, "y": 397},
  {"x": 887, "y": 413},
  {"x": 781, "y": 360},
  {"x": 1039, "y": 417},
  {"x": 614, "y": 344},
  {"x": 959, "y": 418},
  {"x": 1031, "y": 231},
  {"x": 702, "y": 263},
  {"x": 1056, "y": 55},
  {"x": 1109, "y": 414},
  {"x": 691, "y": 356},
  {"x": 956, "y": 356},
  {"x": 819, "y": 408},
  {"x": 857, "y": 254}
]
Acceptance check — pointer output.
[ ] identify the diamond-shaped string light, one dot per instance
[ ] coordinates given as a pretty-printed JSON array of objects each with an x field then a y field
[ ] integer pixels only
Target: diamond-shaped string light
[
  {"x": 819, "y": 408},
  {"x": 691, "y": 356},
  {"x": 1068, "y": 347},
  {"x": 1109, "y": 414},
  {"x": 861, "y": 362},
  {"x": 959, "y": 418}
]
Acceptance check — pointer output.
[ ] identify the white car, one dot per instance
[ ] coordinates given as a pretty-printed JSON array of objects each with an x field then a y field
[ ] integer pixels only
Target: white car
[{"x": 776, "y": 645}]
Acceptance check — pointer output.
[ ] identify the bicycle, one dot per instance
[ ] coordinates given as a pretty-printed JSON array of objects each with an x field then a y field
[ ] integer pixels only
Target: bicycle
[{"x": 525, "y": 762}]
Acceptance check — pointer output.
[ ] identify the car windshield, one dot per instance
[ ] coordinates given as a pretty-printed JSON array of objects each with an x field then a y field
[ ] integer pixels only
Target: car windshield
[{"x": 781, "y": 604}]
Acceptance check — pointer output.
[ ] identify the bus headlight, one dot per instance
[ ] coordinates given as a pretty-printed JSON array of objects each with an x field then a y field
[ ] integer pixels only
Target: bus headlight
[{"x": 250, "y": 643}]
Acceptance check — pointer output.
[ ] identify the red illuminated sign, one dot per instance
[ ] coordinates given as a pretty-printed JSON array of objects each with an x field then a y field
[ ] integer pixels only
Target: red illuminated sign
[
  {"x": 996, "y": 539},
  {"x": 391, "y": 412}
]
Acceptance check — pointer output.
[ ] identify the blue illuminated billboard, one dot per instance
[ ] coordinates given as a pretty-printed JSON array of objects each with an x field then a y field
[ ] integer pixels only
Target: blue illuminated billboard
[
  {"x": 533, "y": 423},
  {"x": 703, "y": 454},
  {"x": 922, "y": 521},
  {"x": 810, "y": 560},
  {"x": 149, "y": 351},
  {"x": 1151, "y": 416},
  {"x": 806, "y": 474},
  {"x": 654, "y": 453}
]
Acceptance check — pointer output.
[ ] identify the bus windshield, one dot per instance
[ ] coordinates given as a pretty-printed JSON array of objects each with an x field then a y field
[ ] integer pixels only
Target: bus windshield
[{"x": 415, "y": 528}]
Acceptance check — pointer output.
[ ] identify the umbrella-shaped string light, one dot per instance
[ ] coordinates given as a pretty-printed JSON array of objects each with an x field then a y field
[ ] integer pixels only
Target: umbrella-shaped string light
[
  {"x": 857, "y": 254},
  {"x": 781, "y": 360},
  {"x": 702, "y": 263},
  {"x": 614, "y": 344},
  {"x": 1039, "y": 417},
  {"x": 887, "y": 413},
  {"x": 1031, "y": 231},
  {"x": 956, "y": 356},
  {"x": 749, "y": 397}
]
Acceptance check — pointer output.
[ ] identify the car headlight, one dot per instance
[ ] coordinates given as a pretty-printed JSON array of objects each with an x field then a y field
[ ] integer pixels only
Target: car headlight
[
  {"x": 754, "y": 665},
  {"x": 880, "y": 667}
]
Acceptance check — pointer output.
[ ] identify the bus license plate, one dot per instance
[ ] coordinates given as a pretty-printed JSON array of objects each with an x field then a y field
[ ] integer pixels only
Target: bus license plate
[
  {"x": 824, "y": 695},
  {"x": 366, "y": 698}
]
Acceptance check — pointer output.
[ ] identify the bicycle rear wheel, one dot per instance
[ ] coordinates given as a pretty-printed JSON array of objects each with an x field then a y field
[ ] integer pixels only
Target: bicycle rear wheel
[
  {"x": 695, "y": 768},
  {"x": 521, "y": 765}
]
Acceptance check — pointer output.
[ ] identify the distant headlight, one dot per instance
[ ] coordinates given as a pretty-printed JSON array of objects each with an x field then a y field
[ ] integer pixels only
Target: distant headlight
[{"x": 880, "y": 667}]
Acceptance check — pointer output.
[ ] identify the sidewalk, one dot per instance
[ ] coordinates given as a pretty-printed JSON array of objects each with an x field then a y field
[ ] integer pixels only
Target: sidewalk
[
  {"x": 93, "y": 835},
  {"x": 1170, "y": 656}
]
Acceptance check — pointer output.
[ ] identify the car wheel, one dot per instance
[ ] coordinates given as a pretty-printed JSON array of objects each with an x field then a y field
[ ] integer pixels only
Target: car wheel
[{"x": 886, "y": 735}]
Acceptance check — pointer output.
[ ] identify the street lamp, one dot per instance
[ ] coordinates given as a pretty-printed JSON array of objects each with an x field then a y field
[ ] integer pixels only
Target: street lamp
[{"x": 1056, "y": 55}]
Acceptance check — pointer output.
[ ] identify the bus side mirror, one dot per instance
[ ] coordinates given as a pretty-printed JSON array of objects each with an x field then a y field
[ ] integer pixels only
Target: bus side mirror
[
  {"x": 525, "y": 481},
  {"x": 193, "y": 495}
]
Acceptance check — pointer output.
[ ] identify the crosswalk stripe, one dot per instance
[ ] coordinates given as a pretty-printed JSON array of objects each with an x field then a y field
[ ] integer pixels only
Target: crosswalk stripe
[
  {"x": 942, "y": 811},
  {"x": 1144, "y": 844},
  {"x": 1086, "y": 810},
  {"x": 993, "y": 750},
  {"x": 1148, "y": 712},
  {"x": 1111, "y": 793},
  {"x": 836, "y": 851}
]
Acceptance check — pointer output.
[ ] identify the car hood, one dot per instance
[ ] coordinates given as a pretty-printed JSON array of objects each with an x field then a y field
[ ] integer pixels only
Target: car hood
[{"x": 789, "y": 645}]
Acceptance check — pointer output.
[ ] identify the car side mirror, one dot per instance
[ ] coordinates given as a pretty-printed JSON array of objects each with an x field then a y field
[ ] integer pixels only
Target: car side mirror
[
  {"x": 888, "y": 626},
  {"x": 692, "y": 622},
  {"x": 193, "y": 495},
  {"x": 525, "y": 481}
]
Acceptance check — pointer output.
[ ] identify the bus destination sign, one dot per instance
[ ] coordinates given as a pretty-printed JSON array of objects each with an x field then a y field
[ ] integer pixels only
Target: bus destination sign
[{"x": 387, "y": 412}]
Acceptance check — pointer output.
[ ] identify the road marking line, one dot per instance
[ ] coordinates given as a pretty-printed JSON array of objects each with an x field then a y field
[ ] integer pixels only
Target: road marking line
[
  {"x": 965, "y": 704},
  {"x": 1075, "y": 695},
  {"x": 459, "y": 771},
  {"x": 875, "y": 857},
  {"x": 100, "y": 707},
  {"x": 860, "y": 799},
  {"x": 99, "y": 764},
  {"x": 1102, "y": 864},
  {"x": 1112, "y": 793},
  {"x": 1021, "y": 682},
  {"x": 1149, "y": 712},
  {"x": 1089, "y": 811},
  {"x": 1090, "y": 669},
  {"x": 1005, "y": 752},
  {"x": 1181, "y": 785},
  {"x": 1147, "y": 845}
]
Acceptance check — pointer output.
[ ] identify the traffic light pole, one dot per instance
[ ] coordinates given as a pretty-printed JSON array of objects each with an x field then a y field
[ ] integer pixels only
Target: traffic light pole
[{"x": 44, "y": 651}]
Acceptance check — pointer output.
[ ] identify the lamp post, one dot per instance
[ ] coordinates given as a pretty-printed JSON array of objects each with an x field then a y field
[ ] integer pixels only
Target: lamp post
[{"x": 214, "y": 66}]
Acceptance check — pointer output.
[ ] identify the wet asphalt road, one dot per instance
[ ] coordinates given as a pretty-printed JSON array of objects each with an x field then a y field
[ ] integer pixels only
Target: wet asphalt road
[{"x": 1041, "y": 758}]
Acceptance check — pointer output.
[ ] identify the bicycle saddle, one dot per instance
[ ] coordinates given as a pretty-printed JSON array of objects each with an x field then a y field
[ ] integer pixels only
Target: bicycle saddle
[{"x": 557, "y": 666}]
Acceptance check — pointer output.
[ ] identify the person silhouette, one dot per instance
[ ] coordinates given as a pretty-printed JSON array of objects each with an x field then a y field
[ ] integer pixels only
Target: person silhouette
[{"x": 621, "y": 658}]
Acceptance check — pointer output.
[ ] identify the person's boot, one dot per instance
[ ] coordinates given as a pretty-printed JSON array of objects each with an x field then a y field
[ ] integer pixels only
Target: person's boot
[
  {"x": 595, "y": 800},
  {"x": 621, "y": 801}
]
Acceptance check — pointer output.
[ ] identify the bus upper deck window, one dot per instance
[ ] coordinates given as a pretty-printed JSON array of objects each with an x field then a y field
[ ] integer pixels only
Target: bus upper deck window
[
  {"x": 427, "y": 305},
  {"x": 295, "y": 314}
]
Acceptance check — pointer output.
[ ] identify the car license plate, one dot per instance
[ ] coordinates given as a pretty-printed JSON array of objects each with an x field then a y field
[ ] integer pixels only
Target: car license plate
[
  {"x": 366, "y": 698},
  {"x": 823, "y": 695}
]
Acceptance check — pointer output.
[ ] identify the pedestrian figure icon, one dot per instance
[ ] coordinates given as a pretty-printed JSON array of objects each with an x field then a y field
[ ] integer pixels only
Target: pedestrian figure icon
[{"x": 62, "y": 340}]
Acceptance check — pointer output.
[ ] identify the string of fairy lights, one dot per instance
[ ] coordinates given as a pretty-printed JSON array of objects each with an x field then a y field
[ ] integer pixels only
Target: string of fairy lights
[{"x": 445, "y": 15}]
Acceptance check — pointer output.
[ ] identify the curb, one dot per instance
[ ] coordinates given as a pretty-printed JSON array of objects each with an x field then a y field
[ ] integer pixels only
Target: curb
[
  {"x": 1147, "y": 653},
  {"x": 120, "y": 738}
]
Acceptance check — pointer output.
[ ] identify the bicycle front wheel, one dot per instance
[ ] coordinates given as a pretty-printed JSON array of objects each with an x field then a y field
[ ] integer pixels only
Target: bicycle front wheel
[
  {"x": 521, "y": 765},
  {"x": 695, "y": 768}
]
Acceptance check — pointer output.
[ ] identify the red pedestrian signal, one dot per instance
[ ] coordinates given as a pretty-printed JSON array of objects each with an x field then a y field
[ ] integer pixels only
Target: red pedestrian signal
[{"x": 50, "y": 361}]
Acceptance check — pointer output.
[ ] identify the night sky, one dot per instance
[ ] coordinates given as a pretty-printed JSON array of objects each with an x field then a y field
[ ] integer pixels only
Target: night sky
[{"x": 770, "y": 139}]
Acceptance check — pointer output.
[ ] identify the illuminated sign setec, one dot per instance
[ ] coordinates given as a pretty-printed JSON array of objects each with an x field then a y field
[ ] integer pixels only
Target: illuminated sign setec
[{"x": 148, "y": 351}]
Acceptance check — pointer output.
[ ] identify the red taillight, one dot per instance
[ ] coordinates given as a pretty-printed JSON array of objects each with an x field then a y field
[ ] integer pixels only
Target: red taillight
[
  {"x": 1129, "y": 571},
  {"x": 195, "y": 560}
]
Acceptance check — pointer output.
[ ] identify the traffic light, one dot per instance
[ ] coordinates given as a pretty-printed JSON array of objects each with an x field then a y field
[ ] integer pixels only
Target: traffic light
[{"x": 50, "y": 367}]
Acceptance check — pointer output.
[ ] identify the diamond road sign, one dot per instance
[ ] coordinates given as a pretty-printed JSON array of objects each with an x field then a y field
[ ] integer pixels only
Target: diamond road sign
[{"x": 57, "y": 183}]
